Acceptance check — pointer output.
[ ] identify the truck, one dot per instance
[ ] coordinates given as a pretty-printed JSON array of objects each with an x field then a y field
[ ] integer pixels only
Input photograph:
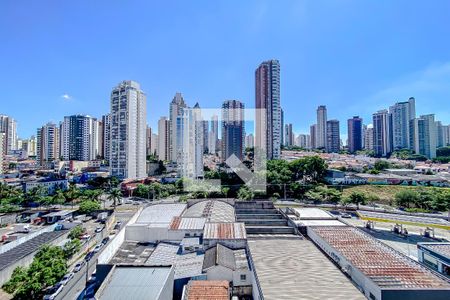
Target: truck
[{"x": 22, "y": 228}]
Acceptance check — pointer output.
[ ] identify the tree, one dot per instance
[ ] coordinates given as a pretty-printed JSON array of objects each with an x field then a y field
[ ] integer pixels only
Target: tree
[
  {"x": 381, "y": 165},
  {"x": 405, "y": 197},
  {"x": 310, "y": 169},
  {"x": 357, "y": 198},
  {"x": 59, "y": 197},
  {"x": 225, "y": 191},
  {"x": 115, "y": 195},
  {"x": 92, "y": 195},
  {"x": 76, "y": 232},
  {"x": 88, "y": 206},
  {"x": 71, "y": 247},
  {"x": 244, "y": 193}
]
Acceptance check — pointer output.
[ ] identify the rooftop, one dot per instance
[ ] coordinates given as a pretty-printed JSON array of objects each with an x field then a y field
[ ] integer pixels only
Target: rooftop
[
  {"x": 136, "y": 283},
  {"x": 223, "y": 256},
  {"x": 132, "y": 253},
  {"x": 384, "y": 266},
  {"x": 225, "y": 231},
  {"x": 163, "y": 255},
  {"x": 180, "y": 223},
  {"x": 313, "y": 213},
  {"x": 291, "y": 268},
  {"x": 207, "y": 290},
  {"x": 319, "y": 223},
  {"x": 59, "y": 213},
  {"x": 439, "y": 248},
  {"x": 188, "y": 265},
  {"x": 160, "y": 214},
  {"x": 212, "y": 210}
]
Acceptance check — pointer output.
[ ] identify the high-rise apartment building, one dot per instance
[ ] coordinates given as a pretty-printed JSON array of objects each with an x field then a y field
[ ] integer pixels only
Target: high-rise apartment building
[
  {"x": 382, "y": 133},
  {"x": 368, "y": 137},
  {"x": 148, "y": 140},
  {"x": 423, "y": 135},
  {"x": 321, "y": 129},
  {"x": 288, "y": 135},
  {"x": 401, "y": 114},
  {"x": 47, "y": 144},
  {"x": 163, "y": 138},
  {"x": 233, "y": 133},
  {"x": 355, "y": 134},
  {"x": 313, "y": 135},
  {"x": 333, "y": 144},
  {"x": 249, "y": 140},
  {"x": 303, "y": 141},
  {"x": 79, "y": 138},
  {"x": 213, "y": 139},
  {"x": 128, "y": 131},
  {"x": 154, "y": 144},
  {"x": 175, "y": 110},
  {"x": 8, "y": 126},
  {"x": 2, "y": 154},
  {"x": 268, "y": 109},
  {"x": 440, "y": 134},
  {"x": 106, "y": 144},
  {"x": 446, "y": 134}
]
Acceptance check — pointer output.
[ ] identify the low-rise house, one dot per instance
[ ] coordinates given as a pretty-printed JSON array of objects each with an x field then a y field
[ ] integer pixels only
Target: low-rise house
[{"x": 206, "y": 290}]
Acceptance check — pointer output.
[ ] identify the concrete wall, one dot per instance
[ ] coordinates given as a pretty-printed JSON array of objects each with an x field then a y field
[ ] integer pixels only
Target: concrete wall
[
  {"x": 112, "y": 247},
  {"x": 6, "y": 273},
  {"x": 25, "y": 238},
  {"x": 219, "y": 273},
  {"x": 232, "y": 244},
  {"x": 167, "y": 290}
]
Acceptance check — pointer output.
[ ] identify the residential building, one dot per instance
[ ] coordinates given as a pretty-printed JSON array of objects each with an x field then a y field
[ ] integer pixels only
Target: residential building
[
  {"x": 401, "y": 113},
  {"x": 233, "y": 132},
  {"x": 205, "y": 126},
  {"x": 47, "y": 144},
  {"x": 175, "y": 110},
  {"x": 148, "y": 140},
  {"x": 446, "y": 134},
  {"x": 423, "y": 135},
  {"x": 79, "y": 138},
  {"x": 313, "y": 136},
  {"x": 440, "y": 134},
  {"x": 283, "y": 140},
  {"x": 381, "y": 133},
  {"x": 2, "y": 136},
  {"x": 288, "y": 135},
  {"x": 268, "y": 109},
  {"x": 29, "y": 145},
  {"x": 128, "y": 131},
  {"x": 214, "y": 135},
  {"x": 163, "y": 138},
  {"x": 106, "y": 144},
  {"x": 321, "y": 129},
  {"x": 303, "y": 141},
  {"x": 249, "y": 141},
  {"x": 355, "y": 134},
  {"x": 154, "y": 144},
  {"x": 333, "y": 144},
  {"x": 368, "y": 137},
  {"x": 8, "y": 126}
]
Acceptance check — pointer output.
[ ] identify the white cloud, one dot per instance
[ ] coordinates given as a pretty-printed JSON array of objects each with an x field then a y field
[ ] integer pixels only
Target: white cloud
[{"x": 66, "y": 96}]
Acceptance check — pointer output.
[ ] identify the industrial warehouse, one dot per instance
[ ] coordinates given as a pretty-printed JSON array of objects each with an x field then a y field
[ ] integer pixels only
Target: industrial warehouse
[{"x": 225, "y": 249}]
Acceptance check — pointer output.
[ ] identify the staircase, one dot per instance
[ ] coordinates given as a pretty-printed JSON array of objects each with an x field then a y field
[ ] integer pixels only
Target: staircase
[{"x": 261, "y": 217}]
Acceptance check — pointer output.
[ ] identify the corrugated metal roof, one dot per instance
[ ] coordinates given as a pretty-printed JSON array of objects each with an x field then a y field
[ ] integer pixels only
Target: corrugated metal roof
[
  {"x": 291, "y": 268},
  {"x": 212, "y": 210},
  {"x": 137, "y": 283},
  {"x": 439, "y": 248},
  {"x": 181, "y": 223},
  {"x": 188, "y": 265},
  {"x": 223, "y": 256},
  {"x": 224, "y": 231},
  {"x": 163, "y": 255},
  {"x": 160, "y": 213},
  {"x": 208, "y": 290}
]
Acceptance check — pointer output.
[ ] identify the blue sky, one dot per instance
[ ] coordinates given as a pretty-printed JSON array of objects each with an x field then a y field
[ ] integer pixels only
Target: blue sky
[{"x": 63, "y": 57}]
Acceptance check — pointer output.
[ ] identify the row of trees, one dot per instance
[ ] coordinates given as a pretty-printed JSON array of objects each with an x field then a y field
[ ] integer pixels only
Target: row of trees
[{"x": 425, "y": 199}]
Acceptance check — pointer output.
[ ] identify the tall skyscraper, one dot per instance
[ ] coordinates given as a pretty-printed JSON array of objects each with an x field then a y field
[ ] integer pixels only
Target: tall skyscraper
[
  {"x": 154, "y": 144},
  {"x": 446, "y": 130},
  {"x": 440, "y": 134},
  {"x": 128, "y": 131},
  {"x": 381, "y": 133},
  {"x": 401, "y": 113},
  {"x": 205, "y": 124},
  {"x": 249, "y": 140},
  {"x": 267, "y": 98},
  {"x": 288, "y": 135},
  {"x": 163, "y": 138},
  {"x": 321, "y": 129},
  {"x": 79, "y": 138},
  {"x": 423, "y": 135},
  {"x": 333, "y": 144},
  {"x": 368, "y": 137},
  {"x": 8, "y": 126},
  {"x": 313, "y": 135},
  {"x": 214, "y": 135},
  {"x": 2, "y": 154},
  {"x": 283, "y": 134},
  {"x": 233, "y": 133},
  {"x": 47, "y": 144},
  {"x": 106, "y": 121},
  {"x": 175, "y": 110},
  {"x": 148, "y": 140},
  {"x": 355, "y": 134}
]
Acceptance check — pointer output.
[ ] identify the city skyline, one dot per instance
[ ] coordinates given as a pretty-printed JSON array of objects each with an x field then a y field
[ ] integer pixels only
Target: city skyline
[{"x": 308, "y": 78}]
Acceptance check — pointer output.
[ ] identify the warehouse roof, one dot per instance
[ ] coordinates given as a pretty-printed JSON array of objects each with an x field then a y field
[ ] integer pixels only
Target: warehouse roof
[
  {"x": 163, "y": 255},
  {"x": 160, "y": 213},
  {"x": 310, "y": 213},
  {"x": 212, "y": 210},
  {"x": 207, "y": 290},
  {"x": 384, "y": 266},
  {"x": 223, "y": 256},
  {"x": 180, "y": 223},
  {"x": 290, "y": 268},
  {"x": 319, "y": 223},
  {"x": 225, "y": 231},
  {"x": 188, "y": 265},
  {"x": 143, "y": 282}
]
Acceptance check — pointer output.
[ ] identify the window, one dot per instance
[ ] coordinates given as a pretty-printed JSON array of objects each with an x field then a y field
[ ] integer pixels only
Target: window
[{"x": 243, "y": 277}]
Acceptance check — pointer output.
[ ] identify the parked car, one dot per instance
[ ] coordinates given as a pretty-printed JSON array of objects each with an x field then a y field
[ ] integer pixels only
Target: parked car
[
  {"x": 105, "y": 240},
  {"x": 99, "y": 229},
  {"x": 66, "y": 278},
  {"x": 78, "y": 266},
  {"x": 97, "y": 248},
  {"x": 54, "y": 291},
  {"x": 85, "y": 236},
  {"x": 346, "y": 215},
  {"x": 89, "y": 256},
  {"x": 118, "y": 225}
]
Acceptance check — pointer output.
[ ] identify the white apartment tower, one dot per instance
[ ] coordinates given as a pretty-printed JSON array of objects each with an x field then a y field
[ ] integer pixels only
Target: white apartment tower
[
  {"x": 163, "y": 138},
  {"x": 175, "y": 110},
  {"x": 80, "y": 138},
  {"x": 128, "y": 131},
  {"x": 8, "y": 126},
  {"x": 382, "y": 133},
  {"x": 423, "y": 135},
  {"x": 321, "y": 129},
  {"x": 47, "y": 144},
  {"x": 402, "y": 113}
]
